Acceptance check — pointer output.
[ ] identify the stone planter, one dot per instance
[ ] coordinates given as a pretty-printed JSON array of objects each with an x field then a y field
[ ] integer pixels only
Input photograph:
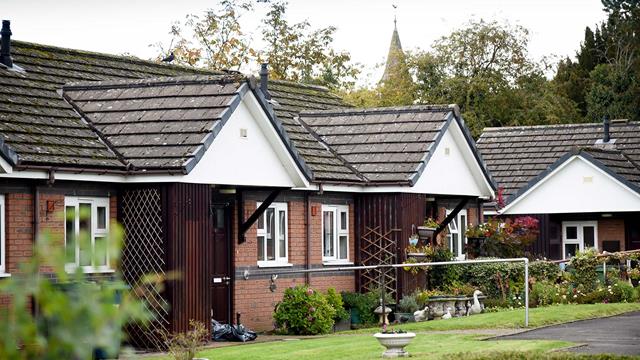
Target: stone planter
[
  {"x": 394, "y": 343},
  {"x": 459, "y": 305}
]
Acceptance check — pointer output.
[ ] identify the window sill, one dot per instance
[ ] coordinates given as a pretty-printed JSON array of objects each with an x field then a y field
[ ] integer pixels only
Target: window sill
[
  {"x": 273, "y": 264},
  {"x": 337, "y": 263},
  {"x": 5, "y": 275},
  {"x": 89, "y": 271}
]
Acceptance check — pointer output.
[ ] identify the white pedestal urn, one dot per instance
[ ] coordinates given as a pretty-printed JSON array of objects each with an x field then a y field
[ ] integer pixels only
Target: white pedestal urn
[{"x": 394, "y": 343}]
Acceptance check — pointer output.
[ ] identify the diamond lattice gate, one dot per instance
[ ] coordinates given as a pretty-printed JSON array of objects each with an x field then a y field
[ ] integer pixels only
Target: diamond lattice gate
[
  {"x": 378, "y": 248},
  {"x": 144, "y": 255}
]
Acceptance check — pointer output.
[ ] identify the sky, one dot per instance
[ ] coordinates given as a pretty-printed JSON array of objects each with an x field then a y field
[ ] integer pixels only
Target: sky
[{"x": 364, "y": 27}]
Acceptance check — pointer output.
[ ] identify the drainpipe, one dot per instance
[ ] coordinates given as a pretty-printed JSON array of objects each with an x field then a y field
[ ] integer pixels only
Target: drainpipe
[{"x": 307, "y": 219}]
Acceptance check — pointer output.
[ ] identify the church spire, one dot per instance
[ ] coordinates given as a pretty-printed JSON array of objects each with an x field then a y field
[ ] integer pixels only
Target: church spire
[{"x": 395, "y": 56}]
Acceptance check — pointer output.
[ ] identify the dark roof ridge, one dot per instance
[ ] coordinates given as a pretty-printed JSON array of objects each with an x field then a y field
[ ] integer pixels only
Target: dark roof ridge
[
  {"x": 299, "y": 84},
  {"x": 155, "y": 81},
  {"x": 549, "y": 126},
  {"x": 378, "y": 110},
  {"x": 99, "y": 55}
]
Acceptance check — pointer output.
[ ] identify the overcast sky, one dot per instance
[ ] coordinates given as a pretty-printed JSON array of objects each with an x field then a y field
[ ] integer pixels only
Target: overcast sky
[{"x": 364, "y": 27}]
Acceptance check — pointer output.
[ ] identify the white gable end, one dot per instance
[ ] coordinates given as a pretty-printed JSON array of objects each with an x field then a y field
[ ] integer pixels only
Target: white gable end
[
  {"x": 576, "y": 186},
  {"x": 247, "y": 151},
  {"x": 453, "y": 168}
]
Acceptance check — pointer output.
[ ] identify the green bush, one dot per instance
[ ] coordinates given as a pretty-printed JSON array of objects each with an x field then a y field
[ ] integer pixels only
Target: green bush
[
  {"x": 335, "y": 300},
  {"x": 363, "y": 303},
  {"x": 544, "y": 293},
  {"x": 583, "y": 270},
  {"x": 444, "y": 275},
  {"x": 304, "y": 311},
  {"x": 408, "y": 304},
  {"x": 544, "y": 271},
  {"x": 494, "y": 279}
]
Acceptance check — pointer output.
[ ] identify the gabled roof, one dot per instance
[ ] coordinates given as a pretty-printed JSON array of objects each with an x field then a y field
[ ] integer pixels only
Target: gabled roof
[
  {"x": 517, "y": 155},
  {"x": 292, "y": 98},
  {"x": 385, "y": 145},
  {"x": 40, "y": 128},
  {"x": 160, "y": 123}
]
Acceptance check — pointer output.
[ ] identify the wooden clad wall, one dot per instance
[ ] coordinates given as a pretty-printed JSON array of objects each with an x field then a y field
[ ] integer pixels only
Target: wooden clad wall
[
  {"x": 389, "y": 211},
  {"x": 189, "y": 232}
]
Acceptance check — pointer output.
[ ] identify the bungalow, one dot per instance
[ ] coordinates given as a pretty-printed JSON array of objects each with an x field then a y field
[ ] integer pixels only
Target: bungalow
[
  {"x": 582, "y": 181},
  {"x": 219, "y": 177}
]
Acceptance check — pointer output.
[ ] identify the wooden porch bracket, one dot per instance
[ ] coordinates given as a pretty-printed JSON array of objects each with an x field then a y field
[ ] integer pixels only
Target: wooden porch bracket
[
  {"x": 450, "y": 217},
  {"x": 245, "y": 225}
]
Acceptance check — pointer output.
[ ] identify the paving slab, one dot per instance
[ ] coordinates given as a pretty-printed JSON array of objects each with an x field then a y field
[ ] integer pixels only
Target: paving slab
[{"x": 618, "y": 334}]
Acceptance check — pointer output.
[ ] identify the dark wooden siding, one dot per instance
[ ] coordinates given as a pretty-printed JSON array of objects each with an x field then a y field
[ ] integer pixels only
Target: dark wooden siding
[
  {"x": 189, "y": 232},
  {"x": 390, "y": 211}
]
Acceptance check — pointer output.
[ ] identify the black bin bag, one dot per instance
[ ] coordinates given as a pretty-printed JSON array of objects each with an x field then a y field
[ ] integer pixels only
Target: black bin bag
[{"x": 226, "y": 332}]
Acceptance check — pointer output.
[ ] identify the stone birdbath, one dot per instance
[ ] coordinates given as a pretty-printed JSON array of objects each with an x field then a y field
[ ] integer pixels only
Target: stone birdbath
[
  {"x": 394, "y": 342},
  {"x": 384, "y": 319}
]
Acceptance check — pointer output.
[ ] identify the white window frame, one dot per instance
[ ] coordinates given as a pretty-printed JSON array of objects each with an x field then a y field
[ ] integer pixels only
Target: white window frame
[
  {"x": 95, "y": 202},
  {"x": 279, "y": 260},
  {"x": 3, "y": 255},
  {"x": 338, "y": 231},
  {"x": 580, "y": 225},
  {"x": 454, "y": 227}
]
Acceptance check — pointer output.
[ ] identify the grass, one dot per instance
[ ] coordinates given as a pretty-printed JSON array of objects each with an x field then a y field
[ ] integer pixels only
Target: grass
[
  {"x": 360, "y": 345},
  {"x": 424, "y": 346},
  {"x": 512, "y": 319}
]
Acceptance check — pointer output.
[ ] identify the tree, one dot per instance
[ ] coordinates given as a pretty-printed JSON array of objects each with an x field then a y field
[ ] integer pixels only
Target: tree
[
  {"x": 295, "y": 52},
  {"x": 485, "y": 68}
]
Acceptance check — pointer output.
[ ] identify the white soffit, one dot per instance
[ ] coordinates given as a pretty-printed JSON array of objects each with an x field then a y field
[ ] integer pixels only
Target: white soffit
[
  {"x": 453, "y": 169},
  {"x": 576, "y": 186}
]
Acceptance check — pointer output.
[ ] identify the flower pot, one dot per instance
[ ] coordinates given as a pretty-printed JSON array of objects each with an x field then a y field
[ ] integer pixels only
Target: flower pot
[
  {"x": 413, "y": 241},
  {"x": 425, "y": 233},
  {"x": 394, "y": 344},
  {"x": 355, "y": 317}
]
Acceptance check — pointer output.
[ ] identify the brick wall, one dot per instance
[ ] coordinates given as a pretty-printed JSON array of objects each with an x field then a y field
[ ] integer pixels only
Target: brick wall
[
  {"x": 19, "y": 237},
  {"x": 253, "y": 298},
  {"x": 611, "y": 229}
]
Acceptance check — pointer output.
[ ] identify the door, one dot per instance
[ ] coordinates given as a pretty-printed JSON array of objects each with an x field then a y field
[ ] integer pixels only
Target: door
[
  {"x": 578, "y": 236},
  {"x": 220, "y": 266}
]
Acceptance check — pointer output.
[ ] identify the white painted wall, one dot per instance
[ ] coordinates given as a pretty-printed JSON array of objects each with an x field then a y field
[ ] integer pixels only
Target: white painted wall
[
  {"x": 577, "y": 186},
  {"x": 260, "y": 159},
  {"x": 452, "y": 169}
]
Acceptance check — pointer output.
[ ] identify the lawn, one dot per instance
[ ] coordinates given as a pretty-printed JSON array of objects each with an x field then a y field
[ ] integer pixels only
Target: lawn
[{"x": 360, "y": 345}]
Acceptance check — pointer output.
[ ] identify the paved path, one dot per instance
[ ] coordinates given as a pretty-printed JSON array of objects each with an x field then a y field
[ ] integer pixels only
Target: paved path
[{"x": 616, "y": 335}]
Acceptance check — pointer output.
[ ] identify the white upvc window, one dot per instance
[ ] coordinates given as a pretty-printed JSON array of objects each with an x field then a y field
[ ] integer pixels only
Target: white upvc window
[
  {"x": 273, "y": 239},
  {"x": 335, "y": 233},
  {"x": 578, "y": 236},
  {"x": 87, "y": 233},
  {"x": 457, "y": 234},
  {"x": 3, "y": 255}
]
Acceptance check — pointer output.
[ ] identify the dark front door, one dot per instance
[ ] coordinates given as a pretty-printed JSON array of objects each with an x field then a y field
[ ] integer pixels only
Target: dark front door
[{"x": 220, "y": 264}]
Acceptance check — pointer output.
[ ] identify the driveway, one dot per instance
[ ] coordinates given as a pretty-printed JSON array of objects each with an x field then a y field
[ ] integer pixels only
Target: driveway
[{"x": 615, "y": 335}]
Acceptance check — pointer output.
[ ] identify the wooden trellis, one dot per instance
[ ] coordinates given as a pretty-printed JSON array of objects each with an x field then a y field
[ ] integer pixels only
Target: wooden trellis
[
  {"x": 378, "y": 248},
  {"x": 144, "y": 254}
]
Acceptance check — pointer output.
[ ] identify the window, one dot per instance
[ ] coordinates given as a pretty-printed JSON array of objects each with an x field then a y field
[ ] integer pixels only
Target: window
[
  {"x": 457, "y": 234},
  {"x": 272, "y": 235},
  {"x": 86, "y": 233},
  {"x": 578, "y": 236},
  {"x": 335, "y": 233},
  {"x": 2, "y": 245}
]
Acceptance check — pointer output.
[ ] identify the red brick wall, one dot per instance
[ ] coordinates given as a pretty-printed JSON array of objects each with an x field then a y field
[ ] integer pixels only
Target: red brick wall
[
  {"x": 611, "y": 229},
  {"x": 19, "y": 230},
  {"x": 252, "y": 298}
]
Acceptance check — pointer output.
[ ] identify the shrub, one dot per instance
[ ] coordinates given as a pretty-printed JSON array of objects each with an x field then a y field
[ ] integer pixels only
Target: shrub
[
  {"x": 444, "y": 275},
  {"x": 544, "y": 293},
  {"x": 408, "y": 304},
  {"x": 304, "y": 311},
  {"x": 544, "y": 270},
  {"x": 335, "y": 300},
  {"x": 185, "y": 346},
  {"x": 363, "y": 303},
  {"x": 584, "y": 275},
  {"x": 460, "y": 289},
  {"x": 494, "y": 279}
]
